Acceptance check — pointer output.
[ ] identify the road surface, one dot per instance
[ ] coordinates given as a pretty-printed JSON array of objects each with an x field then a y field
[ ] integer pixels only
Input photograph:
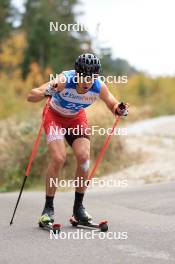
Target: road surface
[{"x": 145, "y": 213}]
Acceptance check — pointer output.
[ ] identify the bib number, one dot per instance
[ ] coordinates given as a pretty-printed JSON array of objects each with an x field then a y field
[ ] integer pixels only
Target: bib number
[{"x": 74, "y": 106}]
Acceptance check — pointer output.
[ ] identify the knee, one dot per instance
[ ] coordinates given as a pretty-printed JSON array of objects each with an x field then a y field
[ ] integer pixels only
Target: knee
[
  {"x": 58, "y": 160},
  {"x": 83, "y": 160},
  {"x": 82, "y": 156}
]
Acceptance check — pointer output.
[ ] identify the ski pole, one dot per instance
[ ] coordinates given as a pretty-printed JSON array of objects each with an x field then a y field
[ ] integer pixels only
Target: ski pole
[
  {"x": 103, "y": 150},
  {"x": 35, "y": 146}
]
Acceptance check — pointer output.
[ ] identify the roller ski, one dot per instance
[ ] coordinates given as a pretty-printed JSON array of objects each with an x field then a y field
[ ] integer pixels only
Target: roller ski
[
  {"x": 46, "y": 221},
  {"x": 81, "y": 218}
]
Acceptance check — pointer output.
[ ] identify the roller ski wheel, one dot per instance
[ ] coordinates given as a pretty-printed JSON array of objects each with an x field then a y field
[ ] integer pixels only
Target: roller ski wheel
[
  {"x": 102, "y": 226},
  {"x": 46, "y": 223}
]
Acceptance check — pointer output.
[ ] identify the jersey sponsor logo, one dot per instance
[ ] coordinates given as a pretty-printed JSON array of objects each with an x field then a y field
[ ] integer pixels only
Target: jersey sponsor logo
[{"x": 89, "y": 97}]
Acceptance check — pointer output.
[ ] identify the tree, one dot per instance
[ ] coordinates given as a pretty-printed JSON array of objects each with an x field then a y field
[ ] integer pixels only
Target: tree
[
  {"x": 6, "y": 13},
  {"x": 48, "y": 48},
  {"x": 116, "y": 66}
]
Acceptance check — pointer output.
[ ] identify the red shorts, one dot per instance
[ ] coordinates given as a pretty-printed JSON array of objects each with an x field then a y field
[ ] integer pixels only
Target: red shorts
[{"x": 57, "y": 127}]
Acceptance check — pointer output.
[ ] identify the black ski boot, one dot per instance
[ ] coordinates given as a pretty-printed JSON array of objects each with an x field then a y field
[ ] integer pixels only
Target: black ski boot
[
  {"x": 82, "y": 218},
  {"x": 46, "y": 220},
  {"x": 80, "y": 214},
  {"x": 47, "y": 215}
]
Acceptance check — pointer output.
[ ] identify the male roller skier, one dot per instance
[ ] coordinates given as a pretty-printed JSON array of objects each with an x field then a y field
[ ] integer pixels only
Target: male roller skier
[{"x": 70, "y": 93}]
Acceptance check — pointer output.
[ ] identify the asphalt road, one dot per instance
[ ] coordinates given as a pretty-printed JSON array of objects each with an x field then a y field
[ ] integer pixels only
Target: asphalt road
[{"x": 146, "y": 213}]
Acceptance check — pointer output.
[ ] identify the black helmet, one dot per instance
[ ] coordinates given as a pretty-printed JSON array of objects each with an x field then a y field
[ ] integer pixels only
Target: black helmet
[{"x": 87, "y": 64}]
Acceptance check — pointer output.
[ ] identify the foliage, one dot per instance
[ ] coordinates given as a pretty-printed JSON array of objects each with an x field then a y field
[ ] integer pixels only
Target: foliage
[
  {"x": 6, "y": 14},
  {"x": 117, "y": 66},
  {"x": 155, "y": 95},
  {"x": 49, "y": 48}
]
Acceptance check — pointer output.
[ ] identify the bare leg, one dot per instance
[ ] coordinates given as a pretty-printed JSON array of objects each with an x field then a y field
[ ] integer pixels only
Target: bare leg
[
  {"x": 58, "y": 155},
  {"x": 81, "y": 148}
]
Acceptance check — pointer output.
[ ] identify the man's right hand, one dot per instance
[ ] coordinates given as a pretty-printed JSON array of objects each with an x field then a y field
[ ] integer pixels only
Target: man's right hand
[
  {"x": 50, "y": 90},
  {"x": 47, "y": 89}
]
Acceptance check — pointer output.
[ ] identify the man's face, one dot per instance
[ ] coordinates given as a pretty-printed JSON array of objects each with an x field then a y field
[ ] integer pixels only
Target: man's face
[{"x": 86, "y": 82}]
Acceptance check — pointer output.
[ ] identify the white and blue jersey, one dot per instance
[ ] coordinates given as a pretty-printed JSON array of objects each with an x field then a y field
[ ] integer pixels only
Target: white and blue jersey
[{"x": 68, "y": 101}]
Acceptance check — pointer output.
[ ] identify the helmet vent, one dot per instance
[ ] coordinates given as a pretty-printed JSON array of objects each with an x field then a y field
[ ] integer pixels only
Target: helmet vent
[{"x": 87, "y": 64}]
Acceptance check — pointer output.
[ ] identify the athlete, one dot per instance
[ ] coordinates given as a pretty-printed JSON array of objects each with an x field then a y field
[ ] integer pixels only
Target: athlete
[{"x": 70, "y": 93}]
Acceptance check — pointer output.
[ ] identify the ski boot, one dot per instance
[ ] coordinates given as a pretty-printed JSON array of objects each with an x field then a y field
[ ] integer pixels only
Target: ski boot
[
  {"x": 81, "y": 217},
  {"x": 47, "y": 219}
]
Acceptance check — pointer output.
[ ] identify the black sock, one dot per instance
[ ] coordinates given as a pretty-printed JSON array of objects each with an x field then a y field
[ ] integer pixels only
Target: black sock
[
  {"x": 78, "y": 199},
  {"x": 49, "y": 201}
]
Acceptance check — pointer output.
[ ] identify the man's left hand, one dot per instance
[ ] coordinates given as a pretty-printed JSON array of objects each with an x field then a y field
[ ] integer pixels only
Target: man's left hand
[{"x": 122, "y": 109}]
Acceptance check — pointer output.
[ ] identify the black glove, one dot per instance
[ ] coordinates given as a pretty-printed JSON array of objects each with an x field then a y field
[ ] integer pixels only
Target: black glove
[
  {"x": 50, "y": 91},
  {"x": 122, "y": 109}
]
